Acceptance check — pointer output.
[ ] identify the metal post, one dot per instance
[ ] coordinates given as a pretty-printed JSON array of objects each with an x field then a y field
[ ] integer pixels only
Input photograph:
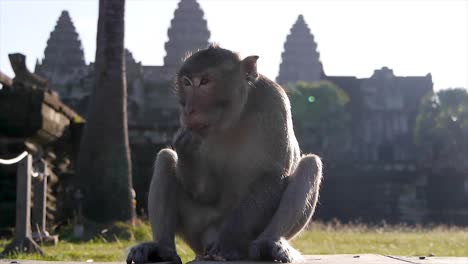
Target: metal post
[
  {"x": 23, "y": 241},
  {"x": 39, "y": 215},
  {"x": 40, "y": 202},
  {"x": 23, "y": 198}
]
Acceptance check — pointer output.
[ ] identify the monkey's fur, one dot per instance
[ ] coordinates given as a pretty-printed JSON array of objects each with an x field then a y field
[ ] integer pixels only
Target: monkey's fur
[{"x": 236, "y": 187}]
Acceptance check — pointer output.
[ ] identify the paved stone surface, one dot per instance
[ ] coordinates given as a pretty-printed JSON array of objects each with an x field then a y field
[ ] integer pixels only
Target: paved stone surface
[
  {"x": 23, "y": 261},
  {"x": 433, "y": 260},
  {"x": 308, "y": 259},
  {"x": 332, "y": 259}
]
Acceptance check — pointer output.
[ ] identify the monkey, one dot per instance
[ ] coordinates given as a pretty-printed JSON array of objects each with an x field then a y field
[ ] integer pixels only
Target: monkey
[{"x": 234, "y": 185}]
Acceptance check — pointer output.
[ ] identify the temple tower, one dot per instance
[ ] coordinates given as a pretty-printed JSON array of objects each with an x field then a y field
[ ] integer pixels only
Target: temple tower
[
  {"x": 63, "y": 57},
  {"x": 188, "y": 32},
  {"x": 135, "y": 88},
  {"x": 300, "y": 59}
]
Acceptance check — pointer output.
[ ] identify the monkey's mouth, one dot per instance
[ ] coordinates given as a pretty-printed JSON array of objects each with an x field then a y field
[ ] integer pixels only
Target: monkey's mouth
[
  {"x": 200, "y": 128},
  {"x": 197, "y": 123},
  {"x": 204, "y": 129}
]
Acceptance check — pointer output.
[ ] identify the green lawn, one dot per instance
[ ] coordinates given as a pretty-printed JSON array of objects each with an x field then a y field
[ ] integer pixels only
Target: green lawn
[
  {"x": 319, "y": 239},
  {"x": 387, "y": 240}
]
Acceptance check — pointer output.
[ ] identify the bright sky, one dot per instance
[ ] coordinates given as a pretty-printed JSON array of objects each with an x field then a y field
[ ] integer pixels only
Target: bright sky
[{"x": 412, "y": 37}]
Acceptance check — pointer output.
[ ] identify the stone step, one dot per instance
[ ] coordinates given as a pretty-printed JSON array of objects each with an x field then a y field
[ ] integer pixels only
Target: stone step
[
  {"x": 308, "y": 259},
  {"x": 365, "y": 259}
]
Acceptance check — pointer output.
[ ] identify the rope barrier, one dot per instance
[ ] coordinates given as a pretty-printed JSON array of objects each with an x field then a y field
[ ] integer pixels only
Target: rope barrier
[{"x": 14, "y": 160}]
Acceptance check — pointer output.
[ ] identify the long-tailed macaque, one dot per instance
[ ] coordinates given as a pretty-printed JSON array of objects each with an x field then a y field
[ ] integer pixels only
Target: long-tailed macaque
[{"x": 235, "y": 186}]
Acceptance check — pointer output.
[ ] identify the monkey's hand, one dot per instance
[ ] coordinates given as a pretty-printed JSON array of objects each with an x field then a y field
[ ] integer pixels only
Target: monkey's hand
[
  {"x": 222, "y": 252},
  {"x": 186, "y": 142},
  {"x": 152, "y": 252}
]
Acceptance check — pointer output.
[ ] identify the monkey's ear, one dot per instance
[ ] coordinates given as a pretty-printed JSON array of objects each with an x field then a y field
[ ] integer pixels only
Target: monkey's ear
[{"x": 250, "y": 67}]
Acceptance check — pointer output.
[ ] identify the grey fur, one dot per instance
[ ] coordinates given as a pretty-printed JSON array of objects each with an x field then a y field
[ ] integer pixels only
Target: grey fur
[{"x": 239, "y": 191}]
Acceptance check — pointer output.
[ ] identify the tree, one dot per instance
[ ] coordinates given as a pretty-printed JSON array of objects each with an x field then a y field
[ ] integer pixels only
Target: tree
[
  {"x": 441, "y": 129},
  {"x": 320, "y": 117},
  {"x": 103, "y": 164}
]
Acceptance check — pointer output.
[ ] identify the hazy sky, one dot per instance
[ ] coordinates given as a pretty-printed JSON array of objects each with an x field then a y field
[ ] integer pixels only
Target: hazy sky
[{"x": 412, "y": 37}]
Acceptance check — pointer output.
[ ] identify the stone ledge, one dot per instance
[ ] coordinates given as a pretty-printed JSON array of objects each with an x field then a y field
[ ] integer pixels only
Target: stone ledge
[
  {"x": 308, "y": 259},
  {"x": 363, "y": 259}
]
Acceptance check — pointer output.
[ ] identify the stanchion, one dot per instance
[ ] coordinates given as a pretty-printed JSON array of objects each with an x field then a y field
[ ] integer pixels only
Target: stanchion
[{"x": 23, "y": 241}]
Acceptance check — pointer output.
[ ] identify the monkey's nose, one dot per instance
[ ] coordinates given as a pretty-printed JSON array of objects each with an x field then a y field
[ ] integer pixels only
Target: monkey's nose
[
  {"x": 188, "y": 111},
  {"x": 188, "y": 108}
]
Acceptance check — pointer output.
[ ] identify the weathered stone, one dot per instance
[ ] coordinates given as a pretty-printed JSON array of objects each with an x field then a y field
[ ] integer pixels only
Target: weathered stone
[
  {"x": 309, "y": 259},
  {"x": 63, "y": 57},
  {"x": 432, "y": 260},
  {"x": 187, "y": 33},
  {"x": 5, "y": 80},
  {"x": 42, "y": 117},
  {"x": 23, "y": 77},
  {"x": 300, "y": 59}
]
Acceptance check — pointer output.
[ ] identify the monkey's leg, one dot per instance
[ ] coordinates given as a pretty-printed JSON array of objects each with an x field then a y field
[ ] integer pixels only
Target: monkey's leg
[
  {"x": 294, "y": 212},
  {"x": 162, "y": 209},
  {"x": 248, "y": 219}
]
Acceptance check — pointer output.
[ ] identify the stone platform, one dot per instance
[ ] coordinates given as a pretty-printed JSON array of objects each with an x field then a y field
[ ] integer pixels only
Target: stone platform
[{"x": 309, "y": 259}]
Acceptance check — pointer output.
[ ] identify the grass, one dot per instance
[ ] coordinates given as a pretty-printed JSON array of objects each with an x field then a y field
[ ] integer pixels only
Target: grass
[
  {"x": 386, "y": 240},
  {"x": 333, "y": 238},
  {"x": 97, "y": 250}
]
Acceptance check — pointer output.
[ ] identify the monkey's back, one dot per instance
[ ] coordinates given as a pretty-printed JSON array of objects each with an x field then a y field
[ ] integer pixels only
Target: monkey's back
[
  {"x": 262, "y": 143},
  {"x": 269, "y": 110}
]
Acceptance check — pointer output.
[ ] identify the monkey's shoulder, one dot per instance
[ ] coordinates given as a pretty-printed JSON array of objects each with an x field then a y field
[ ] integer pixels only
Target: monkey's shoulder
[
  {"x": 268, "y": 96},
  {"x": 274, "y": 121},
  {"x": 269, "y": 111},
  {"x": 263, "y": 86}
]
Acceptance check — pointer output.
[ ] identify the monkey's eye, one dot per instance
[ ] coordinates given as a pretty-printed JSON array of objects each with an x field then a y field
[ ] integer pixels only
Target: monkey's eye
[
  {"x": 204, "y": 81},
  {"x": 187, "y": 81}
]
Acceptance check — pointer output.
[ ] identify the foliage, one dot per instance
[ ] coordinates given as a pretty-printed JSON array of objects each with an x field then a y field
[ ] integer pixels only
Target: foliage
[
  {"x": 441, "y": 129},
  {"x": 320, "y": 117},
  {"x": 329, "y": 238}
]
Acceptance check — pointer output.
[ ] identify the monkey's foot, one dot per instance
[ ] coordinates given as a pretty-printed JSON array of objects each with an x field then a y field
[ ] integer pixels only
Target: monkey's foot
[
  {"x": 152, "y": 252},
  {"x": 273, "y": 250},
  {"x": 212, "y": 258},
  {"x": 217, "y": 252}
]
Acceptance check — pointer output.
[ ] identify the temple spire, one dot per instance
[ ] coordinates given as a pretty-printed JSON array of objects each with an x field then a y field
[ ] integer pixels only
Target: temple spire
[
  {"x": 188, "y": 32},
  {"x": 63, "y": 55},
  {"x": 300, "y": 59}
]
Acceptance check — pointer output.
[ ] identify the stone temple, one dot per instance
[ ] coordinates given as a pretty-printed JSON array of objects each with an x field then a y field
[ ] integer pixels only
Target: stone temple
[
  {"x": 380, "y": 178},
  {"x": 300, "y": 59},
  {"x": 152, "y": 108},
  {"x": 384, "y": 106},
  {"x": 383, "y": 109},
  {"x": 187, "y": 33},
  {"x": 150, "y": 98},
  {"x": 63, "y": 61}
]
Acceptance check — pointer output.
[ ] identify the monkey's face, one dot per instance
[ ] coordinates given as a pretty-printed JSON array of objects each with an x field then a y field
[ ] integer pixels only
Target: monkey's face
[
  {"x": 211, "y": 91},
  {"x": 207, "y": 102}
]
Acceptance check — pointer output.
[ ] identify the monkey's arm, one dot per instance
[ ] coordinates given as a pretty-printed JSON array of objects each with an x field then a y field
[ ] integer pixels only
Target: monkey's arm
[
  {"x": 186, "y": 145},
  {"x": 248, "y": 220},
  {"x": 191, "y": 171},
  {"x": 162, "y": 212}
]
